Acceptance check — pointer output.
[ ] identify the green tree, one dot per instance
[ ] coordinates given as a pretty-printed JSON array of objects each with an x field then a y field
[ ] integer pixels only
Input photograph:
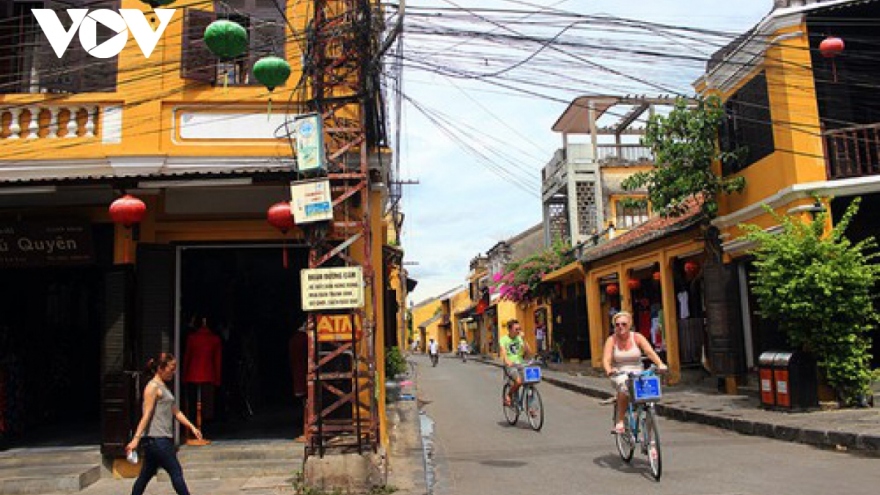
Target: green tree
[
  {"x": 818, "y": 286},
  {"x": 684, "y": 144}
]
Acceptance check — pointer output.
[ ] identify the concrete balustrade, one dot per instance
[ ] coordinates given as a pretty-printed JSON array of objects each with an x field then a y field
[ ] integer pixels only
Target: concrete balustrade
[{"x": 50, "y": 122}]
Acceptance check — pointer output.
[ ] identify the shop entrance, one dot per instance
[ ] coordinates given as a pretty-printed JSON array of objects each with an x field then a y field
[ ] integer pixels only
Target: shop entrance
[
  {"x": 246, "y": 298},
  {"x": 50, "y": 342}
]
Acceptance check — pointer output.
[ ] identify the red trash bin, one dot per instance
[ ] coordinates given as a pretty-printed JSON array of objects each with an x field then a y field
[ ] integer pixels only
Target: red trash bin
[{"x": 765, "y": 376}]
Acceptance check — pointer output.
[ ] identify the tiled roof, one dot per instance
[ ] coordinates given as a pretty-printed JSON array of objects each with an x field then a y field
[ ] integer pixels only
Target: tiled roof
[
  {"x": 655, "y": 228},
  {"x": 273, "y": 168},
  {"x": 430, "y": 320}
]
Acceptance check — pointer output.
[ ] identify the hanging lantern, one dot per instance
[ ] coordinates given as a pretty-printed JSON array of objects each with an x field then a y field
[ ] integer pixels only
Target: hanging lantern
[
  {"x": 271, "y": 72},
  {"x": 612, "y": 289},
  {"x": 831, "y": 47},
  {"x": 657, "y": 276},
  {"x": 691, "y": 268},
  {"x": 226, "y": 39},
  {"x": 634, "y": 284},
  {"x": 280, "y": 216},
  {"x": 128, "y": 210}
]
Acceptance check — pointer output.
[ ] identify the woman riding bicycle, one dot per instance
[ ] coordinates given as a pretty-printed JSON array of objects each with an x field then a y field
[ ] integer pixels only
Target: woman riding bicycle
[
  {"x": 513, "y": 349},
  {"x": 623, "y": 355}
]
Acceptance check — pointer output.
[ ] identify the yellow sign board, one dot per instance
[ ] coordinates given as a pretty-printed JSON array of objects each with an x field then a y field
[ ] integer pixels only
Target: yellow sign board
[{"x": 333, "y": 328}]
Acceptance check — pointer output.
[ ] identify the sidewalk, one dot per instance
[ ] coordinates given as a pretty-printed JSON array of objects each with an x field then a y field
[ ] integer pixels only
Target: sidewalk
[{"x": 843, "y": 429}]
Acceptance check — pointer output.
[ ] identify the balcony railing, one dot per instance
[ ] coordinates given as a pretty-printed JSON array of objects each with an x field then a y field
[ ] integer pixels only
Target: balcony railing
[
  {"x": 49, "y": 122},
  {"x": 623, "y": 154},
  {"x": 852, "y": 151}
]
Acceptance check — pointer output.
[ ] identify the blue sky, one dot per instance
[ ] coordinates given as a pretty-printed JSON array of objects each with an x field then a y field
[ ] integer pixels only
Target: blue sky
[{"x": 467, "y": 200}]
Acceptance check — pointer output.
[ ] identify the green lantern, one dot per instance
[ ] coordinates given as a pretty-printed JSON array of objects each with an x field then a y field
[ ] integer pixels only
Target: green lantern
[
  {"x": 271, "y": 71},
  {"x": 226, "y": 39},
  {"x": 157, "y": 3}
]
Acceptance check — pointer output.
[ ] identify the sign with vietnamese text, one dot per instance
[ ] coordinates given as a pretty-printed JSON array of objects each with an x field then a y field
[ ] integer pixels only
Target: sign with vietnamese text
[
  {"x": 332, "y": 288},
  {"x": 334, "y": 328},
  {"x": 35, "y": 244},
  {"x": 310, "y": 201}
]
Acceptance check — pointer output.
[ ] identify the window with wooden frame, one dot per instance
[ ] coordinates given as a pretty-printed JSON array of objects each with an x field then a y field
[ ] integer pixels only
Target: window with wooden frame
[
  {"x": 265, "y": 24},
  {"x": 747, "y": 125},
  {"x": 28, "y": 64},
  {"x": 630, "y": 212}
]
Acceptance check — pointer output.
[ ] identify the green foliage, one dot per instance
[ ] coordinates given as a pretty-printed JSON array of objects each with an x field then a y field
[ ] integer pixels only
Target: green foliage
[
  {"x": 395, "y": 363},
  {"x": 520, "y": 281},
  {"x": 684, "y": 144},
  {"x": 818, "y": 287}
]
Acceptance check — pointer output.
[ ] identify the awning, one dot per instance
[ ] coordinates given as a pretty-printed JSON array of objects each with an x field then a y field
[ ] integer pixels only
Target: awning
[
  {"x": 430, "y": 320},
  {"x": 467, "y": 311},
  {"x": 572, "y": 272}
]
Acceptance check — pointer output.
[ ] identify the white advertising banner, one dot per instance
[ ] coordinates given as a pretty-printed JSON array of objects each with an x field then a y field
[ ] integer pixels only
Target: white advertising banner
[
  {"x": 311, "y": 201},
  {"x": 332, "y": 288}
]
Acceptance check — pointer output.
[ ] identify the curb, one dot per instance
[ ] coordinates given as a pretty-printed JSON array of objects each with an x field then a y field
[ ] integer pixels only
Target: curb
[{"x": 868, "y": 444}]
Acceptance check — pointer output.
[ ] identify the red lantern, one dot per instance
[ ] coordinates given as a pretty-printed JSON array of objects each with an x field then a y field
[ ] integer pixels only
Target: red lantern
[
  {"x": 831, "y": 47},
  {"x": 128, "y": 210},
  {"x": 657, "y": 276},
  {"x": 691, "y": 268},
  {"x": 634, "y": 284},
  {"x": 281, "y": 217},
  {"x": 612, "y": 289}
]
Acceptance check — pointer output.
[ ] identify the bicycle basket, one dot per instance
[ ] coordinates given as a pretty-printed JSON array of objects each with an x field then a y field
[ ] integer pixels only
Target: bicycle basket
[
  {"x": 532, "y": 374},
  {"x": 645, "y": 389}
]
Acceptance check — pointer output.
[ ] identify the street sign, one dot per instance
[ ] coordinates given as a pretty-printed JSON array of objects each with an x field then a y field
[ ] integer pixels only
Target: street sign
[
  {"x": 334, "y": 328},
  {"x": 332, "y": 288}
]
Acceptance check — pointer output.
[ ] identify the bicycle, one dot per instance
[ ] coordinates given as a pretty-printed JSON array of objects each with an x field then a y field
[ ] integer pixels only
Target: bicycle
[
  {"x": 527, "y": 399},
  {"x": 640, "y": 423}
]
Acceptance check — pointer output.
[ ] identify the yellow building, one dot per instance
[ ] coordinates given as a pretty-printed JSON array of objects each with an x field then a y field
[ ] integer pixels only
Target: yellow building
[{"x": 208, "y": 150}]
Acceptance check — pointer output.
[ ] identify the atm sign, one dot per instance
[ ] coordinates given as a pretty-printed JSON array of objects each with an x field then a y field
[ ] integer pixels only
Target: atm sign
[{"x": 333, "y": 328}]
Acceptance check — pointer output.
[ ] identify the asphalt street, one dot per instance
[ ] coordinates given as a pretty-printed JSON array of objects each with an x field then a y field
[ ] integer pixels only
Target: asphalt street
[{"x": 473, "y": 451}]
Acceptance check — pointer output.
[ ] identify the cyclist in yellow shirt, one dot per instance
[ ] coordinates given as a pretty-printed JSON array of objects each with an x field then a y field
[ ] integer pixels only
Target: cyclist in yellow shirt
[{"x": 513, "y": 350}]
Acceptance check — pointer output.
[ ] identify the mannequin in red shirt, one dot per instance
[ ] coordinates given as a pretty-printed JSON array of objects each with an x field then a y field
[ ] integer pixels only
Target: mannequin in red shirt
[{"x": 202, "y": 365}]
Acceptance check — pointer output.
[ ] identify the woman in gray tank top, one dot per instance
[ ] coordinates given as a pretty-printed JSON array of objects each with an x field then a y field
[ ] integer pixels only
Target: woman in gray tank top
[{"x": 155, "y": 432}]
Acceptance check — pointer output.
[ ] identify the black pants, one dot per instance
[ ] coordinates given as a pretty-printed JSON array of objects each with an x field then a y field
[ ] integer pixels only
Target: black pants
[{"x": 160, "y": 452}]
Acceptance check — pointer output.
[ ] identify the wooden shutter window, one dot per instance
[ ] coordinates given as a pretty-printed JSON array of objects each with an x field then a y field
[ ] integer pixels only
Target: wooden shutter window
[
  {"x": 197, "y": 63},
  {"x": 99, "y": 75}
]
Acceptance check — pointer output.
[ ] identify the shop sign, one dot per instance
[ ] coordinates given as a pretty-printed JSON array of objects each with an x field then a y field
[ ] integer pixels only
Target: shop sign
[
  {"x": 309, "y": 143},
  {"x": 332, "y": 288},
  {"x": 334, "y": 328},
  {"x": 35, "y": 244},
  {"x": 310, "y": 201}
]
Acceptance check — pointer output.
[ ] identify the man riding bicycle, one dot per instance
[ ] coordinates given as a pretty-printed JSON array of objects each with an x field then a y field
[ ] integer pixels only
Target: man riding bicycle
[{"x": 513, "y": 350}]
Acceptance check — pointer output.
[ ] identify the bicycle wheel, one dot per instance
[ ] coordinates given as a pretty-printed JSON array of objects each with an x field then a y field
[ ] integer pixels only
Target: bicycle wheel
[
  {"x": 626, "y": 445},
  {"x": 511, "y": 412},
  {"x": 534, "y": 408},
  {"x": 652, "y": 441}
]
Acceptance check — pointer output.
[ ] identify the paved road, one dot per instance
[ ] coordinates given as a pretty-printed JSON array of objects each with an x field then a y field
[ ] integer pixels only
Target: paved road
[{"x": 475, "y": 452}]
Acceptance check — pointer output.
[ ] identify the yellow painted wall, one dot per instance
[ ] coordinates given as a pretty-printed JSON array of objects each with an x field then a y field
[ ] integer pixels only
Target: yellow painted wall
[{"x": 798, "y": 155}]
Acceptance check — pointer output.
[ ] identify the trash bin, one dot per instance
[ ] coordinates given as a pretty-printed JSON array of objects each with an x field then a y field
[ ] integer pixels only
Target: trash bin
[
  {"x": 765, "y": 376},
  {"x": 795, "y": 380}
]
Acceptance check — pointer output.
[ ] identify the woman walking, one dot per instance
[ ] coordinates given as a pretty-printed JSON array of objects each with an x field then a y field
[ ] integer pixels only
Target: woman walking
[{"x": 155, "y": 431}]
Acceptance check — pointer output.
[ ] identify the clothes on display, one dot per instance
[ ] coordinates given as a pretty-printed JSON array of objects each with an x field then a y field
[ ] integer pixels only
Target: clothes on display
[
  {"x": 202, "y": 362},
  {"x": 683, "y": 305}
]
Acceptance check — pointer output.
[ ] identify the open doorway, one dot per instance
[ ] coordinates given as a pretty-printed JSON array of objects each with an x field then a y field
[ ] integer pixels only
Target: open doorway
[{"x": 246, "y": 297}]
